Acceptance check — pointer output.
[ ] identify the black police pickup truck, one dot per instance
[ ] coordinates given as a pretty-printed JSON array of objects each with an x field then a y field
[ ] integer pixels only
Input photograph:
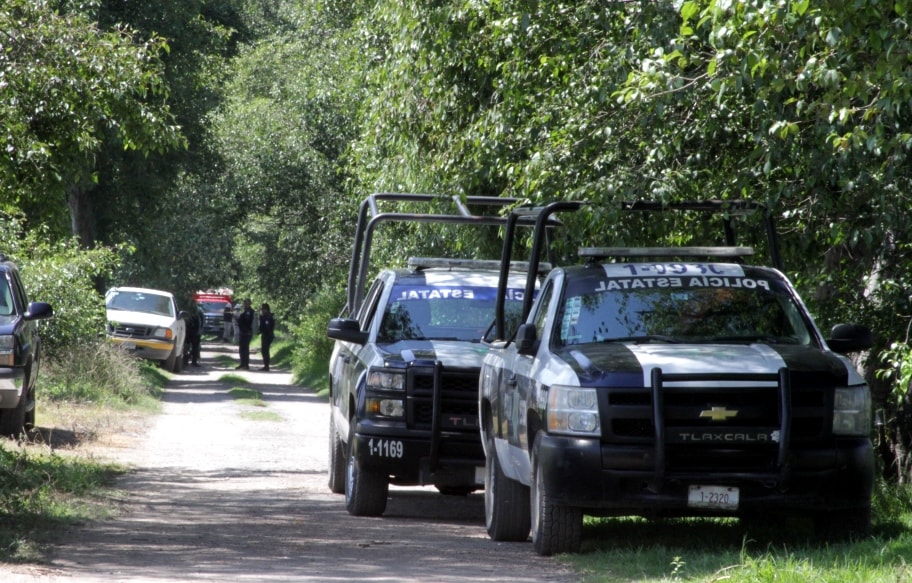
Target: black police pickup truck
[
  {"x": 405, "y": 364},
  {"x": 671, "y": 382}
]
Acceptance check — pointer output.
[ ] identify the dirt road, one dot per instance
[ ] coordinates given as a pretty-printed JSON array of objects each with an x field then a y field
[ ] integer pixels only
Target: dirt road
[{"x": 218, "y": 494}]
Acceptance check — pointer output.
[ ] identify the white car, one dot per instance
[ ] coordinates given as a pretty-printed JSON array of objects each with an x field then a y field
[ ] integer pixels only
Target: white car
[{"x": 147, "y": 323}]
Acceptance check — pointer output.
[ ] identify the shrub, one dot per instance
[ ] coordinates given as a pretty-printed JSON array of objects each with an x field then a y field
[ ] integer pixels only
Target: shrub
[
  {"x": 310, "y": 360},
  {"x": 64, "y": 275},
  {"x": 96, "y": 372}
]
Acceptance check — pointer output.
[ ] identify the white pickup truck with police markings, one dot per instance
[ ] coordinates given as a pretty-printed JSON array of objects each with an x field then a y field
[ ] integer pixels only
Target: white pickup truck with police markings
[{"x": 671, "y": 382}]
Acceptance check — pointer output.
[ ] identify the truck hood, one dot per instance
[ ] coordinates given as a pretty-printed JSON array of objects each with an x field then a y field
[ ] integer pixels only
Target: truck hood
[
  {"x": 456, "y": 354},
  {"x": 631, "y": 365},
  {"x": 140, "y": 318}
]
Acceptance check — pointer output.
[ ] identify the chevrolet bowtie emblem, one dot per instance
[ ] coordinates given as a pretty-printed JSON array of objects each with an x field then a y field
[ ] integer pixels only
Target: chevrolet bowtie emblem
[{"x": 718, "y": 413}]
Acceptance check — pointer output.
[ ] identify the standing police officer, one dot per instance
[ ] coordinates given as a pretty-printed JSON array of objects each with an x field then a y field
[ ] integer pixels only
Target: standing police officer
[
  {"x": 245, "y": 334},
  {"x": 267, "y": 333}
]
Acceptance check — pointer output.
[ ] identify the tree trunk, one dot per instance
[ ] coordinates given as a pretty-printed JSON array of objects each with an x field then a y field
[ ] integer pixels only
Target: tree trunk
[{"x": 82, "y": 215}]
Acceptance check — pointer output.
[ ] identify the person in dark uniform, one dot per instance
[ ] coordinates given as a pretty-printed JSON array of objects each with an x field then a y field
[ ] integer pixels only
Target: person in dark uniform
[
  {"x": 228, "y": 321},
  {"x": 245, "y": 334},
  {"x": 267, "y": 333},
  {"x": 194, "y": 333}
]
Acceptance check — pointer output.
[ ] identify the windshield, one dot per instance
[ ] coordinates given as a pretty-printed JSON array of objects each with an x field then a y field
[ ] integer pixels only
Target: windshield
[
  {"x": 6, "y": 298},
  {"x": 422, "y": 312},
  {"x": 727, "y": 308},
  {"x": 212, "y": 307},
  {"x": 139, "y": 302}
]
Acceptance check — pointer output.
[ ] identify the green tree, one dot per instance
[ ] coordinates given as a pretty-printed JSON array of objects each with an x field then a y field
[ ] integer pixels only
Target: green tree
[
  {"x": 284, "y": 128},
  {"x": 69, "y": 87},
  {"x": 817, "y": 100},
  {"x": 802, "y": 106},
  {"x": 62, "y": 273}
]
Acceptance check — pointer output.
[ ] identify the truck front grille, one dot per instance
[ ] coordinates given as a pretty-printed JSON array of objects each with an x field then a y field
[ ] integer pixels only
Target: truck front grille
[
  {"x": 132, "y": 331},
  {"x": 726, "y": 423},
  {"x": 458, "y": 399}
]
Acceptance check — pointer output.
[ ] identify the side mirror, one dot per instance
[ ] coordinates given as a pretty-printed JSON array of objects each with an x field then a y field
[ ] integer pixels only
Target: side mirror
[
  {"x": 527, "y": 339},
  {"x": 346, "y": 330},
  {"x": 38, "y": 311},
  {"x": 850, "y": 338}
]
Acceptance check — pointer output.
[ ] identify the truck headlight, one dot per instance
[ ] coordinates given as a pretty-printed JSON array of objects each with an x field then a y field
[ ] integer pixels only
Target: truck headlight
[
  {"x": 573, "y": 411},
  {"x": 7, "y": 350},
  {"x": 385, "y": 380},
  {"x": 852, "y": 411},
  {"x": 385, "y": 407},
  {"x": 166, "y": 333}
]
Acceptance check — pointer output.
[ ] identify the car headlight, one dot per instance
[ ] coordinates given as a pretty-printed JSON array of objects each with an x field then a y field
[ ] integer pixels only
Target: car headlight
[
  {"x": 385, "y": 380},
  {"x": 573, "y": 411},
  {"x": 7, "y": 350},
  {"x": 852, "y": 411}
]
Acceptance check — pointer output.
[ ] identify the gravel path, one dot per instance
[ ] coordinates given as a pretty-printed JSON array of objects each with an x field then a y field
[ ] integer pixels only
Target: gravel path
[{"x": 218, "y": 495}]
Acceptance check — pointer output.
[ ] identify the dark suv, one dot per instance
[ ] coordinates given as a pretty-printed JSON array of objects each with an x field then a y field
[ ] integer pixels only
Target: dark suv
[{"x": 19, "y": 351}]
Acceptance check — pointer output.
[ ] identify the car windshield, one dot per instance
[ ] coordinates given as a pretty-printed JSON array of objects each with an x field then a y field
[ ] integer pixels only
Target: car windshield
[
  {"x": 140, "y": 302},
  {"x": 211, "y": 307},
  {"x": 6, "y": 299},
  {"x": 422, "y": 312},
  {"x": 688, "y": 309}
]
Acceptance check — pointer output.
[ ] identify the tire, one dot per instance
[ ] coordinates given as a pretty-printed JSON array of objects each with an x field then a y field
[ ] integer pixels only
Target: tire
[
  {"x": 178, "y": 364},
  {"x": 170, "y": 363},
  {"x": 31, "y": 406},
  {"x": 366, "y": 490},
  {"x": 336, "y": 460},
  {"x": 507, "y": 505},
  {"x": 843, "y": 525},
  {"x": 12, "y": 421},
  {"x": 555, "y": 528}
]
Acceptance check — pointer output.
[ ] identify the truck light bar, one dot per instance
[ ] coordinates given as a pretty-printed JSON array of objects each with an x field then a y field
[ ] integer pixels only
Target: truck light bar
[
  {"x": 605, "y": 252},
  {"x": 418, "y": 263}
]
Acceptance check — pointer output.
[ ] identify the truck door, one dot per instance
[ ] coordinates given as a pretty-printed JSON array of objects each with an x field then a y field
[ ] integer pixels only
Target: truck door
[{"x": 521, "y": 386}]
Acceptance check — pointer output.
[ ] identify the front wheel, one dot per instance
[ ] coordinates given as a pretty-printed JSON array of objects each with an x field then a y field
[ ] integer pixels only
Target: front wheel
[
  {"x": 12, "y": 421},
  {"x": 556, "y": 528},
  {"x": 336, "y": 459},
  {"x": 366, "y": 490},
  {"x": 507, "y": 513},
  {"x": 170, "y": 364}
]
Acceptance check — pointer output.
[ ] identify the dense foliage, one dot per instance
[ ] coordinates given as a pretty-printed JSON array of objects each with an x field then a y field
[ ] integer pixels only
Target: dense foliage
[
  {"x": 61, "y": 272},
  {"x": 231, "y": 144}
]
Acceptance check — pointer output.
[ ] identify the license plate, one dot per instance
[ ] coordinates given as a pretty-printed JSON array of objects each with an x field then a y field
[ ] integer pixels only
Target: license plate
[
  {"x": 128, "y": 345},
  {"x": 713, "y": 497}
]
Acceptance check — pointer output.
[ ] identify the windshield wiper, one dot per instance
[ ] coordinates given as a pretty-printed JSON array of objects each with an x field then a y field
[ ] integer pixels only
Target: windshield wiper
[{"x": 644, "y": 339}]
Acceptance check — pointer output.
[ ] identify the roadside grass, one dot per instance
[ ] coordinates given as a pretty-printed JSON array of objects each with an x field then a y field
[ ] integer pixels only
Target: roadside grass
[
  {"x": 47, "y": 482},
  {"x": 711, "y": 550},
  {"x": 245, "y": 396},
  {"x": 249, "y": 397},
  {"x": 42, "y": 492},
  {"x": 225, "y": 360},
  {"x": 261, "y": 415},
  {"x": 101, "y": 373}
]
